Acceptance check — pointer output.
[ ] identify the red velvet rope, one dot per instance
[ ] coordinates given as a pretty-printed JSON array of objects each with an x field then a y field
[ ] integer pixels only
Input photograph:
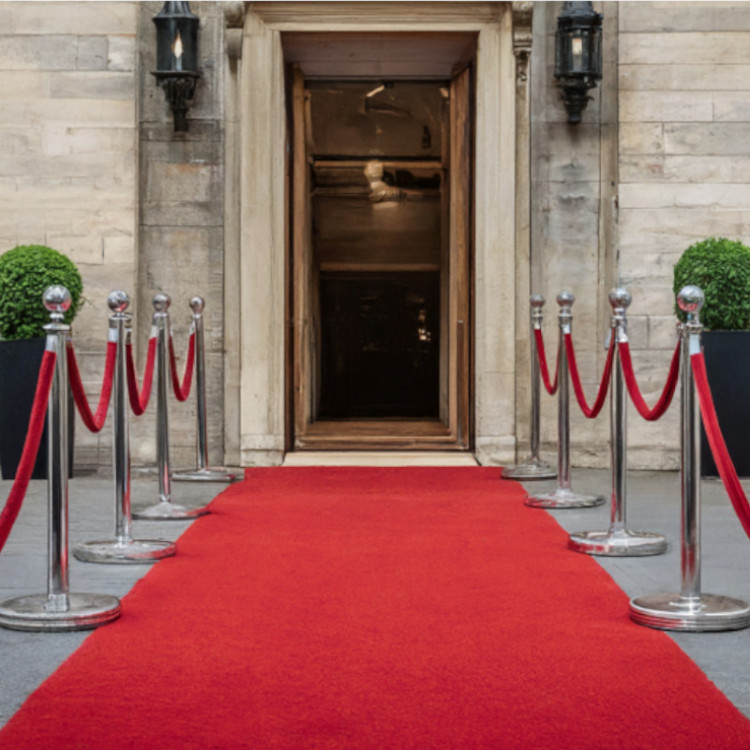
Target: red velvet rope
[
  {"x": 667, "y": 394},
  {"x": 30, "y": 447},
  {"x": 589, "y": 411},
  {"x": 723, "y": 460},
  {"x": 550, "y": 387},
  {"x": 139, "y": 398},
  {"x": 182, "y": 392},
  {"x": 93, "y": 422}
]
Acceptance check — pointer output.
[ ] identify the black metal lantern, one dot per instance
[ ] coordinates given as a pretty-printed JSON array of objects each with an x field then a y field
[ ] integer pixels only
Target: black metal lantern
[
  {"x": 177, "y": 57},
  {"x": 578, "y": 55}
]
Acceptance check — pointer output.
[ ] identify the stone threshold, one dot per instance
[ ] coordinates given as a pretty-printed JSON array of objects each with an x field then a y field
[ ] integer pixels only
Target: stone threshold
[{"x": 377, "y": 458}]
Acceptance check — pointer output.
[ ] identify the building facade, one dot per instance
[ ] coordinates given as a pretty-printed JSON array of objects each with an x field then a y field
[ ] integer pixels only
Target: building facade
[{"x": 366, "y": 196}]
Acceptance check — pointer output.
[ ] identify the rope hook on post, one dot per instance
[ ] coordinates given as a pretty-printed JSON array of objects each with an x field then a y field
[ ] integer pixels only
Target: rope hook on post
[
  {"x": 203, "y": 472},
  {"x": 122, "y": 548},
  {"x": 164, "y": 509},
  {"x": 58, "y": 609},
  {"x": 689, "y": 609},
  {"x": 563, "y": 496},
  {"x": 618, "y": 540},
  {"x": 533, "y": 467}
]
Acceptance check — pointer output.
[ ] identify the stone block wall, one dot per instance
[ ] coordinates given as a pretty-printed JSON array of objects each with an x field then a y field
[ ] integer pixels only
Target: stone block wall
[
  {"x": 68, "y": 143},
  {"x": 684, "y": 152},
  {"x": 659, "y": 161},
  {"x": 573, "y": 176},
  {"x": 90, "y": 165},
  {"x": 181, "y": 224}
]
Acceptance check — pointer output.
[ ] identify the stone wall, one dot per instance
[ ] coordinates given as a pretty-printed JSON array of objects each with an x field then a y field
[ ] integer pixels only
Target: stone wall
[
  {"x": 68, "y": 142},
  {"x": 90, "y": 165},
  {"x": 684, "y": 149},
  {"x": 659, "y": 161},
  {"x": 181, "y": 224},
  {"x": 573, "y": 243}
]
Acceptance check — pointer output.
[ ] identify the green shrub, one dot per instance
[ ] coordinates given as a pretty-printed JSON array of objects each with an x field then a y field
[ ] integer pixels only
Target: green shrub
[
  {"x": 721, "y": 268},
  {"x": 25, "y": 272}
]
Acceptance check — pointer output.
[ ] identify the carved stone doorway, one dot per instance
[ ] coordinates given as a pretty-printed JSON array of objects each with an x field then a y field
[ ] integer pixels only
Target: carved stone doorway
[{"x": 262, "y": 405}]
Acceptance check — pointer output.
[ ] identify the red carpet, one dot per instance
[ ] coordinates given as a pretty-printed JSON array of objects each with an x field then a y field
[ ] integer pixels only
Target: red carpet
[{"x": 380, "y": 609}]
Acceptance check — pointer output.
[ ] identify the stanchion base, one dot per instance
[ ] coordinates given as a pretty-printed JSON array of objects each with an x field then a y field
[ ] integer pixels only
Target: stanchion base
[
  {"x": 623, "y": 543},
  {"x": 85, "y": 612},
  {"x": 124, "y": 552},
  {"x": 563, "y": 498},
  {"x": 216, "y": 474},
  {"x": 531, "y": 468},
  {"x": 168, "y": 511},
  {"x": 674, "y": 612}
]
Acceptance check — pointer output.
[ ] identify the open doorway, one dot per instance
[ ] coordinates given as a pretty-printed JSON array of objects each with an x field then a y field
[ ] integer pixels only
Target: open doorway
[{"x": 380, "y": 244}]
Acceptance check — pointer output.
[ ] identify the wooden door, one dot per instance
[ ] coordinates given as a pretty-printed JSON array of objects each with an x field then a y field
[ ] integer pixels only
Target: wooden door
[
  {"x": 303, "y": 287},
  {"x": 459, "y": 260}
]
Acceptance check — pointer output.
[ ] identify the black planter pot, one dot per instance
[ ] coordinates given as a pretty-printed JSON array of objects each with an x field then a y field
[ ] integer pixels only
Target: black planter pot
[
  {"x": 19, "y": 372},
  {"x": 727, "y": 355}
]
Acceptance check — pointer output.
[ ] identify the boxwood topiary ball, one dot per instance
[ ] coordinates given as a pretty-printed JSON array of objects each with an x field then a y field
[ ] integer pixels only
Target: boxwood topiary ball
[
  {"x": 721, "y": 268},
  {"x": 25, "y": 272}
]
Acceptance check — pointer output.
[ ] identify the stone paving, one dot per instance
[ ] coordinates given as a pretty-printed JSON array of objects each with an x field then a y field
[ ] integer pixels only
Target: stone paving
[
  {"x": 29, "y": 658},
  {"x": 653, "y": 505}
]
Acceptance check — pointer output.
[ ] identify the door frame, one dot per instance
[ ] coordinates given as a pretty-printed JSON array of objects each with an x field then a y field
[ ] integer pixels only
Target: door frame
[
  {"x": 453, "y": 432},
  {"x": 255, "y": 261}
]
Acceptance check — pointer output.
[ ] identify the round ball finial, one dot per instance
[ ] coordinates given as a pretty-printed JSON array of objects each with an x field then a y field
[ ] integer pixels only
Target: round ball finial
[
  {"x": 56, "y": 299},
  {"x": 536, "y": 300},
  {"x": 690, "y": 299},
  {"x": 161, "y": 302},
  {"x": 620, "y": 298},
  {"x": 118, "y": 301},
  {"x": 197, "y": 304},
  {"x": 566, "y": 299}
]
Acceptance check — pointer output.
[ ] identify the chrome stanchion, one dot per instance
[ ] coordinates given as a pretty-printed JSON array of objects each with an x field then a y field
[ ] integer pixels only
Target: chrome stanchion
[
  {"x": 533, "y": 467},
  {"x": 164, "y": 509},
  {"x": 689, "y": 609},
  {"x": 618, "y": 540},
  {"x": 123, "y": 548},
  {"x": 563, "y": 496},
  {"x": 203, "y": 472},
  {"x": 58, "y": 609}
]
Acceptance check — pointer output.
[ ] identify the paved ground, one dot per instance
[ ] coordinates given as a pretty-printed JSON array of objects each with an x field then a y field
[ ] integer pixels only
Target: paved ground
[
  {"x": 653, "y": 505},
  {"x": 29, "y": 658}
]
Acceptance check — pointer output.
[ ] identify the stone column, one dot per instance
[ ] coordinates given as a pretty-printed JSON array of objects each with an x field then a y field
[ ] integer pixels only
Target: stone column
[{"x": 522, "y": 42}]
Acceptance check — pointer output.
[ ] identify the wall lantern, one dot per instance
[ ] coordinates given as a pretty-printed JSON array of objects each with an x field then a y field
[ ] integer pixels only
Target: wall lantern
[
  {"x": 177, "y": 57},
  {"x": 578, "y": 55}
]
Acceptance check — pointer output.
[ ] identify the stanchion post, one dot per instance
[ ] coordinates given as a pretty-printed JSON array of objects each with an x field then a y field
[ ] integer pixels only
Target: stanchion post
[
  {"x": 203, "y": 472},
  {"x": 164, "y": 509},
  {"x": 58, "y": 609},
  {"x": 563, "y": 496},
  {"x": 533, "y": 467},
  {"x": 689, "y": 609},
  {"x": 618, "y": 540},
  {"x": 123, "y": 548}
]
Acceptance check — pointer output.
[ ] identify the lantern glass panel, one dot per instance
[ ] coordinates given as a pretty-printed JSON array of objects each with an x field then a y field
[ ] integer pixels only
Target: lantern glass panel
[
  {"x": 562, "y": 54},
  {"x": 177, "y": 45},
  {"x": 577, "y": 52}
]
